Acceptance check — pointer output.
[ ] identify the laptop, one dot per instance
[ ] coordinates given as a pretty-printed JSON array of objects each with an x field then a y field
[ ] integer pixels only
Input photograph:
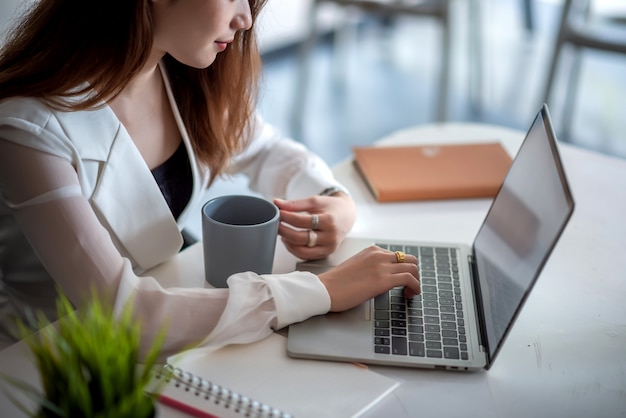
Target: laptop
[{"x": 471, "y": 295}]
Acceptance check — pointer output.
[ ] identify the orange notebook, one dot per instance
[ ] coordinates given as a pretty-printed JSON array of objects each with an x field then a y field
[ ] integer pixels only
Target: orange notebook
[{"x": 431, "y": 172}]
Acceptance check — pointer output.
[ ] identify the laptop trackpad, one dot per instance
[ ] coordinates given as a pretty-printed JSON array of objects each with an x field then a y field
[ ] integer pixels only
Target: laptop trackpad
[{"x": 333, "y": 335}]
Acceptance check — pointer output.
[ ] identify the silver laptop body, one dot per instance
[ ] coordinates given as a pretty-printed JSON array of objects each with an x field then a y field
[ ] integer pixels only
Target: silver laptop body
[{"x": 483, "y": 287}]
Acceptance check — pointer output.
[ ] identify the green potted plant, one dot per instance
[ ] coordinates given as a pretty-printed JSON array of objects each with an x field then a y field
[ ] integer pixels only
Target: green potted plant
[{"x": 88, "y": 363}]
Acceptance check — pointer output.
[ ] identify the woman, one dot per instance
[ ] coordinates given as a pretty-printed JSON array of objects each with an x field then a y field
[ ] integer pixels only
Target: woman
[{"x": 114, "y": 117}]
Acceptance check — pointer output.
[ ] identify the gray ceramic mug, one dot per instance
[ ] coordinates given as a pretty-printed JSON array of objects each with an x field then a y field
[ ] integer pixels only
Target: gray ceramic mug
[{"x": 238, "y": 234}]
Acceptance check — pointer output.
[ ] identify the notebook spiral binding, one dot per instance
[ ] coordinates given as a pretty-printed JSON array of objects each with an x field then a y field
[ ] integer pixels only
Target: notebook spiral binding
[{"x": 218, "y": 394}]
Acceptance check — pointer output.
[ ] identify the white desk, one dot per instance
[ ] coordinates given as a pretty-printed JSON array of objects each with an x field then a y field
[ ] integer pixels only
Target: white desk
[{"x": 566, "y": 355}]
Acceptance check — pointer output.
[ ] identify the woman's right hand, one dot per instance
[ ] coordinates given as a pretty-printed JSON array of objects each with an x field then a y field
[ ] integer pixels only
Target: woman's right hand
[{"x": 367, "y": 274}]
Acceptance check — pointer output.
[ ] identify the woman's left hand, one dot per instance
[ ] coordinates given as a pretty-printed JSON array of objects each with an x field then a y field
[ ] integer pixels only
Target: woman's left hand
[{"x": 312, "y": 228}]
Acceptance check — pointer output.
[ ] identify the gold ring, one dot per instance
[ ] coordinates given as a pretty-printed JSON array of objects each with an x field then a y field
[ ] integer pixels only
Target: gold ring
[
  {"x": 311, "y": 240},
  {"x": 400, "y": 256},
  {"x": 315, "y": 221}
]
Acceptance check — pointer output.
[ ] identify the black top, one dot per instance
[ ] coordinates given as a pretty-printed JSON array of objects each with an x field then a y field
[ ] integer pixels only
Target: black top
[{"x": 175, "y": 180}]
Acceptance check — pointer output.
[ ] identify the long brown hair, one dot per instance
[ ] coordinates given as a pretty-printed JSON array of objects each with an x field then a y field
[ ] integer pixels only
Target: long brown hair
[{"x": 65, "y": 49}]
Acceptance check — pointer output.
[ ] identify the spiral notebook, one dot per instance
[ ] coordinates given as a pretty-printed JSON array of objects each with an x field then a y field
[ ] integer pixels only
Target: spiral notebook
[{"x": 260, "y": 380}]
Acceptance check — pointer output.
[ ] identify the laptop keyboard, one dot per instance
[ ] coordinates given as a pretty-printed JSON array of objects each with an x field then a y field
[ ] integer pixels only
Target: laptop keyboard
[{"x": 432, "y": 323}]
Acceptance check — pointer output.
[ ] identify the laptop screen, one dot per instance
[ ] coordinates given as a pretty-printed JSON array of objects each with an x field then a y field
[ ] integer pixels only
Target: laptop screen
[{"x": 523, "y": 225}]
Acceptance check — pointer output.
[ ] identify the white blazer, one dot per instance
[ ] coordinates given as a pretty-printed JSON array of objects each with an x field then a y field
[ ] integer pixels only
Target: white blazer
[
  {"x": 128, "y": 203},
  {"x": 114, "y": 176}
]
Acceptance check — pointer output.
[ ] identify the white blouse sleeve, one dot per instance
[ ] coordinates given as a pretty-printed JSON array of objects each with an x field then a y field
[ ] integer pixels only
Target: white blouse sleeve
[
  {"x": 44, "y": 196},
  {"x": 278, "y": 166}
]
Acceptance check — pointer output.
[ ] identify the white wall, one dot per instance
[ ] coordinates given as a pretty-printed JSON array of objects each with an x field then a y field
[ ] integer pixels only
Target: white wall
[
  {"x": 282, "y": 22},
  {"x": 9, "y": 11}
]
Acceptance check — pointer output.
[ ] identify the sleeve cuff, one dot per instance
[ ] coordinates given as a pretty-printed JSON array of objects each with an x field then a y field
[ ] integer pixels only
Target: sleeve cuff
[
  {"x": 329, "y": 191},
  {"x": 297, "y": 296}
]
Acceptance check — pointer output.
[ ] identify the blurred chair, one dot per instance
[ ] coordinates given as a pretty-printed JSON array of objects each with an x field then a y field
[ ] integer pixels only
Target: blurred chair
[
  {"x": 439, "y": 10},
  {"x": 581, "y": 28},
  {"x": 527, "y": 11}
]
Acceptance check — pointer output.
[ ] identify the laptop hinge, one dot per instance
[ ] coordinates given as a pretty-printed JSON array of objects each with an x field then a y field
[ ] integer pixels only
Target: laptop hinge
[{"x": 480, "y": 313}]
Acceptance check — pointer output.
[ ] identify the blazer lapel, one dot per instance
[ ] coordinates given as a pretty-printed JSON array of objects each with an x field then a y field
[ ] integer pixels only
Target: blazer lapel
[
  {"x": 200, "y": 176},
  {"x": 129, "y": 203}
]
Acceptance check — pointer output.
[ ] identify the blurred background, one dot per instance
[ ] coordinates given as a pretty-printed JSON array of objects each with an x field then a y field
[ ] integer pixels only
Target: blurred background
[
  {"x": 370, "y": 74},
  {"x": 412, "y": 62}
]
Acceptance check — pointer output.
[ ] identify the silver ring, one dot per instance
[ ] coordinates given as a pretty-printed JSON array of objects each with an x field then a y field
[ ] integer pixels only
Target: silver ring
[
  {"x": 315, "y": 221},
  {"x": 311, "y": 240}
]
